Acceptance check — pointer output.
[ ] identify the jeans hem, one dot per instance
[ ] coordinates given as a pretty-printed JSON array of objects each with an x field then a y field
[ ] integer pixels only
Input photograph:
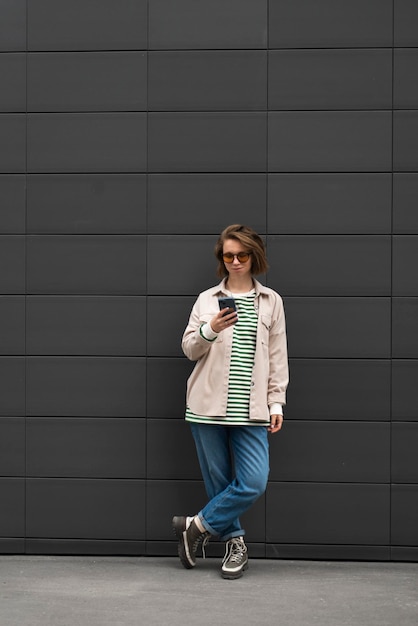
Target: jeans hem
[
  {"x": 236, "y": 533},
  {"x": 212, "y": 531}
]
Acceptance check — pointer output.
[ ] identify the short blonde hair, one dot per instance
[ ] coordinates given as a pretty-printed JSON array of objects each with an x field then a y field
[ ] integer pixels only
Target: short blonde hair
[{"x": 251, "y": 241}]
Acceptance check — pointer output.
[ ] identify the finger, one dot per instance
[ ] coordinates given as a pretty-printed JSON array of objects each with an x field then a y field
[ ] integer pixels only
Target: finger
[
  {"x": 276, "y": 423},
  {"x": 230, "y": 315},
  {"x": 229, "y": 319}
]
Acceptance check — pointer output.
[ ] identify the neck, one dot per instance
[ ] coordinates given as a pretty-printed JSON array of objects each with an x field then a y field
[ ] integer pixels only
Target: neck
[{"x": 237, "y": 285}]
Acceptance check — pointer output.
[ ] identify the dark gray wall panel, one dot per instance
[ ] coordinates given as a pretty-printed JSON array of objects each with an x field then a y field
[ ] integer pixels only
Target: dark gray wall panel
[
  {"x": 87, "y": 24},
  {"x": 402, "y": 554},
  {"x": 167, "y": 443},
  {"x": 205, "y": 203},
  {"x": 84, "y": 387},
  {"x": 86, "y": 265},
  {"x": 85, "y": 448},
  {"x": 13, "y": 83},
  {"x": 404, "y": 452},
  {"x": 207, "y": 80},
  {"x": 12, "y": 143},
  {"x": 78, "y": 204},
  {"x": 177, "y": 497},
  {"x": 330, "y": 266},
  {"x": 12, "y": 386},
  {"x": 85, "y": 509},
  {"x": 12, "y": 325},
  {"x": 328, "y": 513},
  {"x": 326, "y": 23},
  {"x": 327, "y": 553},
  {"x": 405, "y": 88},
  {"x": 165, "y": 499},
  {"x": 336, "y": 389},
  {"x": 405, "y": 328},
  {"x": 331, "y": 452},
  {"x": 87, "y": 81},
  {"x": 12, "y": 545},
  {"x": 94, "y": 547},
  {"x": 12, "y": 204},
  {"x": 201, "y": 24},
  {"x": 12, "y": 446},
  {"x": 405, "y": 390},
  {"x": 405, "y": 263},
  {"x": 170, "y": 375},
  {"x": 12, "y": 264},
  {"x": 167, "y": 320},
  {"x": 195, "y": 264},
  {"x": 13, "y": 25},
  {"x": 330, "y": 79},
  {"x": 12, "y": 510},
  {"x": 405, "y": 200},
  {"x": 338, "y": 327},
  {"x": 83, "y": 325},
  {"x": 404, "y": 519},
  {"x": 405, "y": 21},
  {"x": 83, "y": 142},
  {"x": 327, "y": 141},
  {"x": 329, "y": 203},
  {"x": 207, "y": 142},
  {"x": 405, "y": 141}
]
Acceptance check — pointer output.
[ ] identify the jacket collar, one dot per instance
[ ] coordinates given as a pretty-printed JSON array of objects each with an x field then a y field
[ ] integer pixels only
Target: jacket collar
[{"x": 259, "y": 288}]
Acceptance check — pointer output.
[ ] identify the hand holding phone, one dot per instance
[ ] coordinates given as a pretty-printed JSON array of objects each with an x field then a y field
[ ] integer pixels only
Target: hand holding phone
[{"x": 226, "y": 317}]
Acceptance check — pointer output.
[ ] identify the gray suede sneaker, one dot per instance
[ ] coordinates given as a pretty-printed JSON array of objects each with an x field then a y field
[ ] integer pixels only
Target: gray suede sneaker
[
  {"x": 190, "y": 537},
  {"x": 235, "y": 560}
]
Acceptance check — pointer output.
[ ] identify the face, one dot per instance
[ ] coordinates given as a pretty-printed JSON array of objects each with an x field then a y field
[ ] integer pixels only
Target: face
[{"x": 236, "y": 268}]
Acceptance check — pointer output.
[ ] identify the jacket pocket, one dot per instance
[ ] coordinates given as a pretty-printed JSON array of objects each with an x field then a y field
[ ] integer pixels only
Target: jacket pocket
[
  {"x": 265, "y": 328},
  {"x": 266, "y": 321}
]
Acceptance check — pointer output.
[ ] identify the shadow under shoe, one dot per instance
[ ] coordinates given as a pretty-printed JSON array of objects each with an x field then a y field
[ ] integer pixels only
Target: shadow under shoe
[{"x": 190, "y": 537}]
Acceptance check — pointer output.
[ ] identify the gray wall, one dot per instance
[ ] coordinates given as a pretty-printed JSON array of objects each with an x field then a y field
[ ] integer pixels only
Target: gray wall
[{"x": 131, "y": 133}]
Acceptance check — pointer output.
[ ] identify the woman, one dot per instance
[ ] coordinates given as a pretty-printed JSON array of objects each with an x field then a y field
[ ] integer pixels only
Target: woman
[{"x": 234, "y": 395}]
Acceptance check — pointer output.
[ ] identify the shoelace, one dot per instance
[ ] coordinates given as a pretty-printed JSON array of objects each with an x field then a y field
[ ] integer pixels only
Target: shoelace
[
  {"x": 204, "y": 544},
  {"x": 237, "y": 550},
  {"x": 204, "y": 540}
]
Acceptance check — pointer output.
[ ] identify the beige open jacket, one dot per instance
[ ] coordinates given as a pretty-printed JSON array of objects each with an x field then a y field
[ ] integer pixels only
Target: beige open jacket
[{"x": 207, "y": 387}]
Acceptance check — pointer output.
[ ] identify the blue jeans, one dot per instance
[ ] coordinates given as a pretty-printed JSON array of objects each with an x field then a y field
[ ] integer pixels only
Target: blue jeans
[{"x": 234, "y": 461}]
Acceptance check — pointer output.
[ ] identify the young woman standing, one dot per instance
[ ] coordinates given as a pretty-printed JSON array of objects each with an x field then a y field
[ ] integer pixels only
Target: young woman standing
[{"x": 234, "y": 395}]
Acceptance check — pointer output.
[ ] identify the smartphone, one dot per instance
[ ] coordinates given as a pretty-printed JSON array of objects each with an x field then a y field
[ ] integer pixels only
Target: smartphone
[{"x": 227, "y": 303}]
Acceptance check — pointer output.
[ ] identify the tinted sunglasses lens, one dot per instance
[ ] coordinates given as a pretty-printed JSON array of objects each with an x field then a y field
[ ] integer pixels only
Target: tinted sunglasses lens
[{"x": 242, "y": 257}]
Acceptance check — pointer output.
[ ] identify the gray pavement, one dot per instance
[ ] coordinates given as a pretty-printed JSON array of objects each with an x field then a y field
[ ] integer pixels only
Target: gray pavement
[{"x": 120, "y": 591}]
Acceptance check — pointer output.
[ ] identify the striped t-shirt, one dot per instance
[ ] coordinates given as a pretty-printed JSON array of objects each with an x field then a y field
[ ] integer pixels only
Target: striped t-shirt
[{"x": 240, "y": 370}]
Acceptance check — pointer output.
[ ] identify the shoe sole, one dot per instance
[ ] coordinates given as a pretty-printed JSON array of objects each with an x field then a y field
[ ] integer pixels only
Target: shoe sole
[
  {"x": 178, "y": 526},
  {"x": 234, "y": 575}
]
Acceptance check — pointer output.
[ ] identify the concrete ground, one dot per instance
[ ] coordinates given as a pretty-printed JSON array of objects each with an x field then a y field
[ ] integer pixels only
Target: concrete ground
[{"x": 120, "y": 591}]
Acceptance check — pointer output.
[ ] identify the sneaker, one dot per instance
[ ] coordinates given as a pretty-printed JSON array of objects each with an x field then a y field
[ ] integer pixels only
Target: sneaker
[
  {"x": 190, "y": 536},
  {"x": 235, "y": 560}
]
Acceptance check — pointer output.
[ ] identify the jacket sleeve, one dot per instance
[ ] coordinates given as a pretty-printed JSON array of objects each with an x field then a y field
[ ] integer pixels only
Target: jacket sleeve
[
  {"x": 193, "y": 344},
  {"x": 278, "y": 359}
]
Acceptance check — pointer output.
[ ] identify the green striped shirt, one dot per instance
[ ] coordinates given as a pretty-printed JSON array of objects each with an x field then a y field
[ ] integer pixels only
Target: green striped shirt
[{"x": 240, "y": 369}]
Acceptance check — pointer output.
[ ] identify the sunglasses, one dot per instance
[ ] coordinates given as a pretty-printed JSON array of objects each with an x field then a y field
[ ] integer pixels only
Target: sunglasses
[{"x": 242, "y": 257}]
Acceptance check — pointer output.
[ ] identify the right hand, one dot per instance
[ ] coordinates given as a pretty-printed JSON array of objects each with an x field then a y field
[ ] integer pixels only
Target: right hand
[{"x": 223, "y": 320}]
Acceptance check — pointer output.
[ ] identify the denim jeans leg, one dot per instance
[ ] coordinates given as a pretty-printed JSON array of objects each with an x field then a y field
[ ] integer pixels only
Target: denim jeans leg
[
  {"x": 249, "y": 445},
  {"x": 214, "y": 454}
]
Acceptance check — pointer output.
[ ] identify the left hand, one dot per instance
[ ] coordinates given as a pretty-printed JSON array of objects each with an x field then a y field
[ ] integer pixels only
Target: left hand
[{"x": 276, "y": 422}]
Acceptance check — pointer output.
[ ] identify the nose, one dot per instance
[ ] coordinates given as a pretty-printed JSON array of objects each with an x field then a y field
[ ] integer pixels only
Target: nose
[{"x": 236, "y": 260}]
